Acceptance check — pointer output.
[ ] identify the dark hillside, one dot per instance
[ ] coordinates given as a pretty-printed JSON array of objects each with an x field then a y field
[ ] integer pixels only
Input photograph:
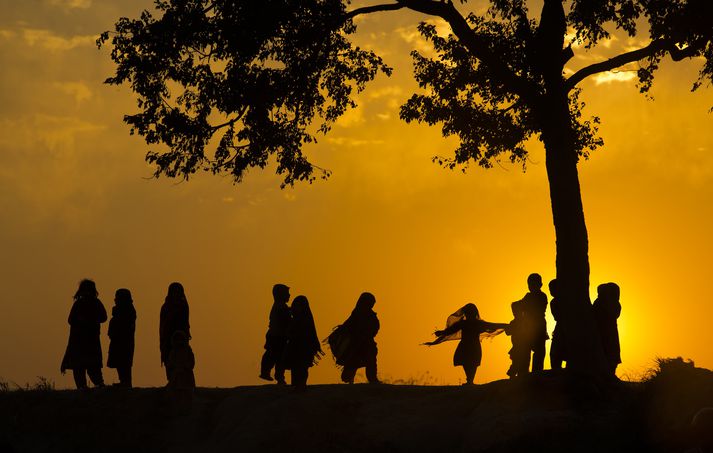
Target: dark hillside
[{"x": 545, "y": 413}]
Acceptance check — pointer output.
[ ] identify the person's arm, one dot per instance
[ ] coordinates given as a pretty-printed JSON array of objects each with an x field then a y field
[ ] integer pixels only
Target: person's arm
[
  {"x": 493, "y": 326},
  {"x": 453, "y": 328},
  {"x": 101, "y": 312}
]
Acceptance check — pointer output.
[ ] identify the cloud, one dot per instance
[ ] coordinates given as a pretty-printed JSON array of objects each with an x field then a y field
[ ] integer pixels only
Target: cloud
[
  {"x": 71, "y": 4},
  {"x": 413, "y": 37},
  {"x": 55, "y": 43},
  {"x": 352, "y": 117},
  {"x": 351, "y": 142},
  {"x": 392, "y": 90},
  {"x": 56, "y": 133},
  {"x": 611, "y": 76},
  {"x": 79, "y": 90}
]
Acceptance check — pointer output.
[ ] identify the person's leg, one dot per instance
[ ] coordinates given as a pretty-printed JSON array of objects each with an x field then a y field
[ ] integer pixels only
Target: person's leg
[
  {"x": 555, "y": 354},
  {"x": 124, "y": 373},
  {"x": 95, "y": 374},
  {"x": 299, "y": 376},
  {"x": 521, "y": 360},
  {"x": 266, "y": 365},
  {"x": 348, "y": 374},
  {"x": 371, "y": 375},
  {"x": 80, "y": 378},
  {"x": 538, "y": 356},
  {"x": 278, "y": 352},
  {"x": 470, "y": 370}
]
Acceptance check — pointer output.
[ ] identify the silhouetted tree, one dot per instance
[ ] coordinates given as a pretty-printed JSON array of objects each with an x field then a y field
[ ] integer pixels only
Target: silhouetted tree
[{"x": 261, "y": 78}]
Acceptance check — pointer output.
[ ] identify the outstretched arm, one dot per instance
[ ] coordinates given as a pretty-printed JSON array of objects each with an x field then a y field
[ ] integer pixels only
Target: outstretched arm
[{"x": 493, "y": 326}]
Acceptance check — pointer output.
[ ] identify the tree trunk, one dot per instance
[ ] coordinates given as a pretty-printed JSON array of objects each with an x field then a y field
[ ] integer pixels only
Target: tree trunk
[{"x": 580, "y": 334}]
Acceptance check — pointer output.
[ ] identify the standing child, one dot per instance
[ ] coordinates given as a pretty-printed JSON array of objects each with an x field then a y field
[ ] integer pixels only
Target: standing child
[
  {"x": 607, "y": 309},
  {"x": 121, "y": 335},
  {"x": 303, "y": 348},
  {"x": 465, "y": 325},
  {"x": 276, "y": 336},
  {"x": 530, "y": 329}
]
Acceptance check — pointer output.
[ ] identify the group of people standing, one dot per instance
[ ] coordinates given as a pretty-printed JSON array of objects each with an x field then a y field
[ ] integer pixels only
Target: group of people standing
[
  {"x": 291, "y": 341},
  {"x": 528, "y": 331},
  {"x": 84, "y": 353}
]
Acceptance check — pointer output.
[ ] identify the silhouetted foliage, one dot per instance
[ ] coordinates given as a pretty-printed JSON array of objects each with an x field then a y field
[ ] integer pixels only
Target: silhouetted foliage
[
  {"x": 253, "y": 75},
  {"x": 226, "y": 84}
]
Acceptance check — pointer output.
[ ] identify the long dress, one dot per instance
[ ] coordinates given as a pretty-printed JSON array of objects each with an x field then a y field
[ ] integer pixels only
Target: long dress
[
  {"x": 606, "y": 312},
  {"x": 84, "y": 346},
  {"x": 174, "y": 317},
  {"x": 121, "y": 333},
  {"x": 469, "y": 351}
]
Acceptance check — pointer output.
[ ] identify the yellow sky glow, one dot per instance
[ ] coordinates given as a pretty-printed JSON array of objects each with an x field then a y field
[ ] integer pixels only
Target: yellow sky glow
[{"x": 77, "y": 203}]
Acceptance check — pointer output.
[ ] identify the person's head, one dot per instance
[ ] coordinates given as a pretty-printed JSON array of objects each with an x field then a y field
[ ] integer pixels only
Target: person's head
[
  {"x": 613, "y": 291},
  {"x": 87, "y": 288},
  {"x": 123, "y": 296},
  {"x": 281, "y": 293},
  {"x": 534, "y": 282},
  {"x": 176, "y": 293},
  {"x": 471, "y": 311},
  {"x": 553, "y": 287},
  {"x": 366, "y": 301},
  {"x": 179, "y": 338},
  {"x": 602, "y": 291},
  {"x": 300, "y": 307}
]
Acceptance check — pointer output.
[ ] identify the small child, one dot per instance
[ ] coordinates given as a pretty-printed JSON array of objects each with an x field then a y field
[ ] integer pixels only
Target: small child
[
  {"x": 121, "y": 336},
  {"x": 465, "y": 325},
  {"x": 179, "y": 367}
]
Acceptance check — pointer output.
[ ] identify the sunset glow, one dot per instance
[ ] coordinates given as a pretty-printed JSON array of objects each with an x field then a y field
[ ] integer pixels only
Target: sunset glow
[{"x": 77, "y": 202}]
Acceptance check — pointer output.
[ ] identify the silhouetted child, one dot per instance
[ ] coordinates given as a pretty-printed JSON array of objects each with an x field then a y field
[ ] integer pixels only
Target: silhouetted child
[
  {"x": 180, "y": 364},
  {"x": 303, "y": 348},
  {"x": 557, "y": 346},
  {"x": 121, "y": 335},
  {"x": 84, "y": 353},
  {"x": 529, "y": 332},
  {"x": 352, "y": 343},
  {"x": 276, "y": 336},
  {"x": 606, "y": 310},
  {"x": 174, "y": 318},
  {"x": 465, "y": 325}
]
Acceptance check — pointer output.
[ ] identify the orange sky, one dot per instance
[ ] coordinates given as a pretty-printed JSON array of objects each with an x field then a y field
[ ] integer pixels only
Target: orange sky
[{"x": 77, "y": 203}]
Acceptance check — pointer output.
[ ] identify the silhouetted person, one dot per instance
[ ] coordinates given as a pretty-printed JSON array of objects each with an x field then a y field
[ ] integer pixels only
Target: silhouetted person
[
  {"x": 179, "y": 367},
  {"x": 122, "y": 326},
  {"x": 303, "y": 348},
  {"x": 557, "y": 346},
  {"x": 84, "y": 353},
  {"x": 606, "y": 312},
  {"x": 352, "y": 343},
  {"x": 174, "y": 317},
  {"x": 465, "y": 325},
  {"x": 276, "y": 336},
  {"x": 529, "y": 331}
]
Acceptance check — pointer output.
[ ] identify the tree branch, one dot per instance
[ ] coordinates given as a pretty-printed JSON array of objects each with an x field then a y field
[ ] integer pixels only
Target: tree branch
[
  {"x": 374, "y": 9},
  {"x": 477, "y": 46},
  {"x": 615, "y": 62}
]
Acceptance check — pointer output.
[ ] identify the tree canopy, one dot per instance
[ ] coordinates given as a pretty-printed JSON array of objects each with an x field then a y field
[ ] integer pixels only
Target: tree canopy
[{"x": 226, "y": 84}]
